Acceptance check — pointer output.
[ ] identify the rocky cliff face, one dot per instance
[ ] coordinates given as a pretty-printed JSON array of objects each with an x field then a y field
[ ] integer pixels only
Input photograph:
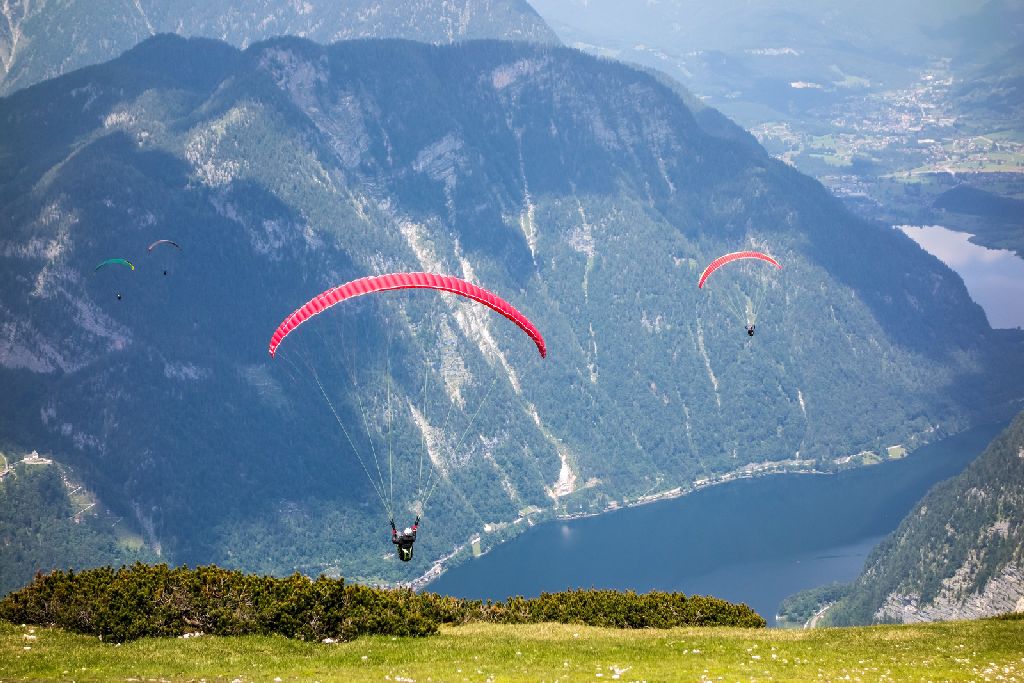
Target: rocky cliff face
[
  {"x": 958, "y": 599},
  {"x": 41, "y": 39},
  {"x": 583, "y": 191},
  {"x": 959, "y": 554}
]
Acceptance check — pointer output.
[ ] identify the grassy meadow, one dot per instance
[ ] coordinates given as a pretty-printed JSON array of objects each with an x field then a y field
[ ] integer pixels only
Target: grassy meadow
[{"x": 957, "y": 651}]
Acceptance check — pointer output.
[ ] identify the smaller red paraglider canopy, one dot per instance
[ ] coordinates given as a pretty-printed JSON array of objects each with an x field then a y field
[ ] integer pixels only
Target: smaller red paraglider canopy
[{"x": 734, "y": 256}]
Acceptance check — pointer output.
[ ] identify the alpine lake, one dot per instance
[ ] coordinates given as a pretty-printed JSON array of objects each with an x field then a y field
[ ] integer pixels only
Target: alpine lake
[{"x": 754, "y": 541}]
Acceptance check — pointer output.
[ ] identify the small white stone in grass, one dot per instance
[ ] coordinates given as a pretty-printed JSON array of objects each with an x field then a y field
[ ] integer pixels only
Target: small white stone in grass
[
  {"x": 27, "y": 647},
  {"x": 364, "y": 658},
  {"x": 328, "y": 641},
  {"x": 277, "y": 679},
  {"x": 575, "y": 635}
]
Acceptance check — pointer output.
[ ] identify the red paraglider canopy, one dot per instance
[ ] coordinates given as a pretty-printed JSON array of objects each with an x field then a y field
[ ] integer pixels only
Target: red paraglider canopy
[
  {"x": 379, "y": 283},
  {"x": 734, "y": 256}
]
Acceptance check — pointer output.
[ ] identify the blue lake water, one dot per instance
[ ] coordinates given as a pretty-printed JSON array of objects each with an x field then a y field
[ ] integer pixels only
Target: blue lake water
[
  {"x": 994, "y": 277},
  {"x": 754, "y": 540}
]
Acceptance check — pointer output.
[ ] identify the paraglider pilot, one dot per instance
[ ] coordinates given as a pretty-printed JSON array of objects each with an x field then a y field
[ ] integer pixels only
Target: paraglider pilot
[
  {"x": 750, "y": 330},
  {"x": 405, "y": 539}
]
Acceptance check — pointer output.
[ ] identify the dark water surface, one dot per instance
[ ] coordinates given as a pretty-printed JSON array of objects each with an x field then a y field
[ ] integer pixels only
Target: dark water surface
[{"x": 754, "y": 540}]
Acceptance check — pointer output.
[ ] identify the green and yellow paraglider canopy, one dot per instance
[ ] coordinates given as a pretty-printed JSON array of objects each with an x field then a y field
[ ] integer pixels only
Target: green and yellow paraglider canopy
[{"x": 112, "y": 261}]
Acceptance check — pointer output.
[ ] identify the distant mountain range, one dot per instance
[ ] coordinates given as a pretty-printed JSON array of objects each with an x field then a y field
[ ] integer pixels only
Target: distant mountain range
[
  {"x": 40, "y": 39},
  {"x": 744, "y": 56},
  {"x": 814, "y": 65},
  {"x": 582, "y": 190}
]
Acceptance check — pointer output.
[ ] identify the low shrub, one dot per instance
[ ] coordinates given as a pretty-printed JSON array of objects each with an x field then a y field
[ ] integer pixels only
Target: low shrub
[
  {"x": 615, "y": 609},
  {"x": 156, "y": 600}
]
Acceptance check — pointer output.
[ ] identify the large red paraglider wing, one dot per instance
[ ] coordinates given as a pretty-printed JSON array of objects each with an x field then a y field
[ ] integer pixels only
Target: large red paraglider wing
[
  {"x": 380, "y": 283},
  {"x": 735, "y": 256}
]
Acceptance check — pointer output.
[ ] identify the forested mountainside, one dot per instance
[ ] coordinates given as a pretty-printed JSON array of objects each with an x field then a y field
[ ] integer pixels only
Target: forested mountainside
[
  {"x": 49, "y": 519},
  {"x": 958, "y": 555},
  {"x": 40, "y": 39},
  {"x": 583, "y": 191}
]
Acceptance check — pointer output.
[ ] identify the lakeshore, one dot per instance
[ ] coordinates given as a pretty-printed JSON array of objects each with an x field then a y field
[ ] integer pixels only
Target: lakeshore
[
  {"x": 535, "y": 515},
  {"x": 801, "y": 527}
]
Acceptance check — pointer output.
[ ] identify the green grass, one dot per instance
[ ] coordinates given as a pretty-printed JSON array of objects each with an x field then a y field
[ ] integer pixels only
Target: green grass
[
  {"x": 896, "y": 452},
  {"x": 970, "y": 650}
]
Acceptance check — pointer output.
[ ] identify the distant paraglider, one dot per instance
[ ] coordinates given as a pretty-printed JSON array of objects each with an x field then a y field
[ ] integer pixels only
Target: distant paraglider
[
  {"x": 112, "y": 262},
  {"x": 735, "y": 298},
  {"x": 729, "y": 258},
  {"x": 115, "y": 261},
  {"x": 153, "y": 246},
  {"x": 156, "y": 244}
]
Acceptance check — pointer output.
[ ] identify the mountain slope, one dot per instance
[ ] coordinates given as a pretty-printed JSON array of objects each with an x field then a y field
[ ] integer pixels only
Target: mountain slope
[
  {"x": 958, "y": 555},
  {"x": 48, "y": 520},
  {"x": 41, "y": 39},
  {"x": 583, "y": 191}
]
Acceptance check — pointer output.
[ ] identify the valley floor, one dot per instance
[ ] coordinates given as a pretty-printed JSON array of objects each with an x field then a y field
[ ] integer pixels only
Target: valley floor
[{"x": 967, "y": 650}]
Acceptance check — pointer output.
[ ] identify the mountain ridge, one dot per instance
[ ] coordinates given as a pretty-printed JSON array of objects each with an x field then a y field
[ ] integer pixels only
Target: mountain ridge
[
  {"x": 583, "y": 191},
  {"x": 40, "y": 39}
]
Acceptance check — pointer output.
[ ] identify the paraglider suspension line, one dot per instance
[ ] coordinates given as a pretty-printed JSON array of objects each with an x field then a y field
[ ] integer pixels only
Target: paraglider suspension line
[
  {"x": 378, "y": 487},
  {"x": 379, "y": 490},
  {"x": 465, "y": 433},
  {"x": 391, "y": 422},
  {"x": 366, "y": 424},
  {"x": 426, "y": 374}
]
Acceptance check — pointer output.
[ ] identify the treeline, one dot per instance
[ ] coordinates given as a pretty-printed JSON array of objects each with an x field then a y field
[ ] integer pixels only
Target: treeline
[
  {"x": 799, "y": 607},
  {"x": 156, "y": 600}
]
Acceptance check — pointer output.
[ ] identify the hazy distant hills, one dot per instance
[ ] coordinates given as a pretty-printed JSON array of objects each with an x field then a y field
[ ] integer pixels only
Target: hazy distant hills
[
  {"x": 995, "y": 86},
  {"x": 902, "y": 26},
  {"x": 582, "y": 190},
  {"x": 41, "y": 39},
  {"x": 775, "y": 60},
  {"x": 958, "y": 555}
]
